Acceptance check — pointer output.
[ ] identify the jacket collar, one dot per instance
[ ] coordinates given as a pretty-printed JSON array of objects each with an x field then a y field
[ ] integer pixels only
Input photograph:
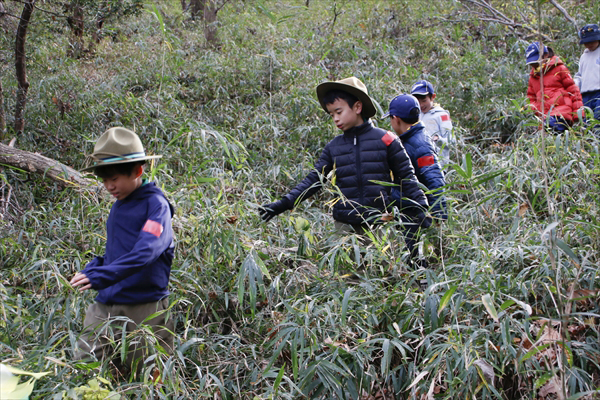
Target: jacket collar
[
  {"x": 359, "y": 129},
  {"x": 413, "y": 129},
  {"x": 547, "y": 65}
]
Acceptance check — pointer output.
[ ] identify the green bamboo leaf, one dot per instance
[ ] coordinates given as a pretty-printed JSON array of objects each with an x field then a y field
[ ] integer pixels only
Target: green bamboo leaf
[
  {"x": 345, "y": 305},
  {"x": 124, "y": 342},
  {"x": 507, "y": 304},
  {"x": 468, "y": 166},
  {"x": 278, "y": 379},
  {"x": 489, "y": 306},
  {"x": 565, "y": 247},
  {"x": 387, "y": 357},
  {"x": 418, "y": 379},
  {"x": 459, "y": 170},
  {"x": 534, "y": 351},
  {"x": 521, "y": 304},
  {"x": 583, "y": 394},
  {"x": 542, "y": 380},
  {"x": 446, "y": 298},
  {"x": 568, "y": 352},
  {"x": 487, "y": 177}
]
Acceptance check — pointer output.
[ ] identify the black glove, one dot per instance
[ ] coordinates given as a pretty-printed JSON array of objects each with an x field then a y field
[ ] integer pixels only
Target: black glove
[
  {"x": 268, "y": 211},
  {"x": 423, "y": 220},
  {"x": 418, "y": 216}
]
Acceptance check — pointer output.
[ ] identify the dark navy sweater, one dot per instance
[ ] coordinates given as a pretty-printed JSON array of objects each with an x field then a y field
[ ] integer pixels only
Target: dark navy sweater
[
  {"x": 362, "y": 157},
  {"x": 139, "y": 250}
]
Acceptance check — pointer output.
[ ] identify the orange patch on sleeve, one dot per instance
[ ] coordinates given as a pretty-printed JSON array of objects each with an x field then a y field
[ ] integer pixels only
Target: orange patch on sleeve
[
  {"x": 153, "y": 227},
  {"x": 425, "y": 161},
  {"x": 388, "y": 138}
]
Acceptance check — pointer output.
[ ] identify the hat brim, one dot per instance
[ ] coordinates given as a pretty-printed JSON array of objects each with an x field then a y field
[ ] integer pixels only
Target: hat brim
[
  {"x": 368, "y": 109},
  {"x": 104, "y": 164},
  {"x": 589, "y": 39}
]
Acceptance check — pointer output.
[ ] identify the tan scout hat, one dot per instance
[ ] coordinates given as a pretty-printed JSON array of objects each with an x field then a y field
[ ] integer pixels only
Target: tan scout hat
[
  {"x": 355, "y": 87},
  {"x": 118, "y": 146}
]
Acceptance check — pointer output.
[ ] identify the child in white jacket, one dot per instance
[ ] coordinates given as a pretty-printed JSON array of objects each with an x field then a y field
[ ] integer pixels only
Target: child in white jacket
[
  {"x": 436, "y": 120},
  {"x": 588, "y": 76}
]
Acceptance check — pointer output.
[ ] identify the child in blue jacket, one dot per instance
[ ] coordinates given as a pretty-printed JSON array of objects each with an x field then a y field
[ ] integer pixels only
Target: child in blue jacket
[
  {"x": 404, "y": 118},
  {"x": 132, "y": 276}
]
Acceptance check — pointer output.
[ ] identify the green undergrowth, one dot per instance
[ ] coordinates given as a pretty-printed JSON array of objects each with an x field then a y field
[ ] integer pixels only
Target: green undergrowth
[{"x": 291, "y": 309}]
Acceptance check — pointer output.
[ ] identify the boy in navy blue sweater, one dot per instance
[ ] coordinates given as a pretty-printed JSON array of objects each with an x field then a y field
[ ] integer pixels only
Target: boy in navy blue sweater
[
  {"x": 132, "y": 276},
  {"x": 361, "y": 157},
  {"x": 404, "y": 117}
]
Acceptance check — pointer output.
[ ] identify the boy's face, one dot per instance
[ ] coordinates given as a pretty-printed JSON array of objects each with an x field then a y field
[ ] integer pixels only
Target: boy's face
[
  {"x": 425, "y": 102},
  {"x": 591, "y": 46},
  {"x": 344, "y": 116},
  {"x": 120, "y": 186}
]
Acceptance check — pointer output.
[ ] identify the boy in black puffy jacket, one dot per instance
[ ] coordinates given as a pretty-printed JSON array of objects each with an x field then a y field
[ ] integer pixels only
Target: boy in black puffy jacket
[{"x": 362, "y": 156}]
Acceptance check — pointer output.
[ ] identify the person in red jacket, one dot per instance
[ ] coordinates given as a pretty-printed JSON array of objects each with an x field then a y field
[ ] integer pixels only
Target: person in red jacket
[{"x": 561, "y": 94}]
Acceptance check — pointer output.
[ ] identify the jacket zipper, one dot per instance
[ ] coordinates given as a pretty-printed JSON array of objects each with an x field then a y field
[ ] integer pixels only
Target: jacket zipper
[{"x": 359, "y": 170}]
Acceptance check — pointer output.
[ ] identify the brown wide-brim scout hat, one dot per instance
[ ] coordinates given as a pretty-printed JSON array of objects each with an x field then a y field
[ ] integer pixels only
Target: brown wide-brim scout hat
[
  {"x": 355, "y": 87},
  {"x": 118, "y": 146}
]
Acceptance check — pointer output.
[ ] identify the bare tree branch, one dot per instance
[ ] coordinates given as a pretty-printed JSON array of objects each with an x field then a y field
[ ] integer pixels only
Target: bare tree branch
[
  {"x": 485, "y": 11},
  {"x": 565, "y": 13}
]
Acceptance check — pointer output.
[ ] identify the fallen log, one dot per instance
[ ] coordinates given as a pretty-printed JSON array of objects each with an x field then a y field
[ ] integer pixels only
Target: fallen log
[{"x": 49, "y": 168}]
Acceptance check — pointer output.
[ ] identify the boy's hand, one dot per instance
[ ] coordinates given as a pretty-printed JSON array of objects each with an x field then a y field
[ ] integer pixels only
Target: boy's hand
[
  {"x": 81, "y": 280},
  {"x": 268, "y": 211}
]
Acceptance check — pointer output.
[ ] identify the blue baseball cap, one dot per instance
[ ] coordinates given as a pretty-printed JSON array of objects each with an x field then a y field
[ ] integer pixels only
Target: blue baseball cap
[
  {"x": 404, "y": 106},
  {"x": 532, "y": 54},
  {"x": 422, "y": 88},
  {"x": 589, "y": 33}
]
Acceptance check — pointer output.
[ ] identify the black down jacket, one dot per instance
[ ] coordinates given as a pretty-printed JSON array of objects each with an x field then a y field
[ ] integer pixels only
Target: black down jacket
[{"x": 361, "y": 156}]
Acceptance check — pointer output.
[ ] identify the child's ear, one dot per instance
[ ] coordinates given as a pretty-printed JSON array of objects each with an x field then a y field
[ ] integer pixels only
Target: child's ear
[
  {"x": 433, "y": 97},
  {"x": 139, "y": 170},
  {"x": 357, "y": 107}
]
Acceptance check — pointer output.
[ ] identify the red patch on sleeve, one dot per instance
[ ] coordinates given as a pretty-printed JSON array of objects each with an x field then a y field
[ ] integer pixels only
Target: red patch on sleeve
[
  {"x": 153, "y": 227},
  {"x": 445, "y": 117},
  {"x": 388, "y": 138},
  {"x": 425, "y": 161}
]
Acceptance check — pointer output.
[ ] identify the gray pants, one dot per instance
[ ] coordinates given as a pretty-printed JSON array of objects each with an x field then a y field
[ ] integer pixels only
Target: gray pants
[{"x": 103, "y": 330}]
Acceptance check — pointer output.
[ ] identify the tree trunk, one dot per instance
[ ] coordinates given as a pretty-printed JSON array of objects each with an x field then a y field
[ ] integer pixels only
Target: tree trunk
[
  {"x": 197, "y": 8},
  {"x": 76, "y": 20},
  {"x": 210, "y": 22},
  {"x": 100, "y": 21},
  {"x": 183, "y": 5},
  {"x": 2, "y": 116},
  {"x": 20, "y": 66},
  {"x": 37, "y": 163}
]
